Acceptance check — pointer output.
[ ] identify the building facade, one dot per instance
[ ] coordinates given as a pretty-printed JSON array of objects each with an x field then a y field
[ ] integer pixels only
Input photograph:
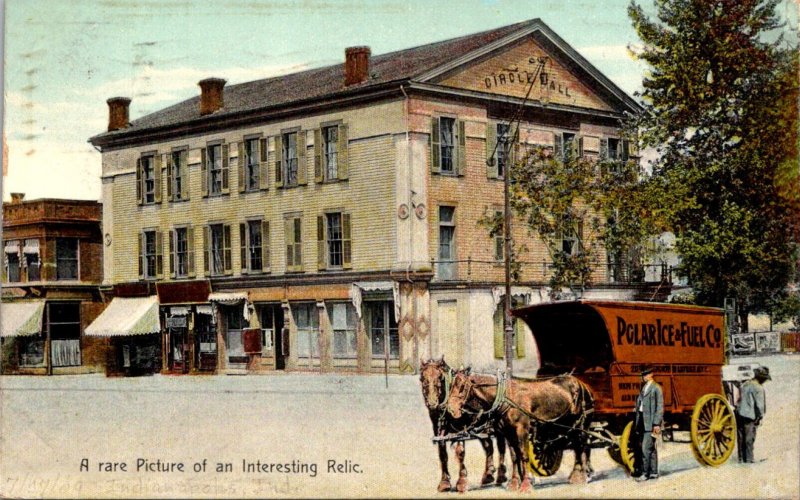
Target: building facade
[
  {"x": 52, "y": 270},
  {"x": 328, "y": 220}
]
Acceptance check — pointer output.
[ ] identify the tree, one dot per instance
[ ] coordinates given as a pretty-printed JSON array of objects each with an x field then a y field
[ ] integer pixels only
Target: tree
[{"x": 720, "y": 107}]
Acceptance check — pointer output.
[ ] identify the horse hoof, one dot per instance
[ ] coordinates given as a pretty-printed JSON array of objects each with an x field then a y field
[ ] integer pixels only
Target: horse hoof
[
  {"x": 513, "y": 485},
  {"x": 444, "y": 486},
  {"x": 577, "y": 478},
  {"x": 501, "y": 477},
  {"x": 461, "y": 485},
  {"x": 487, "y": 479},
  {"x": 525, "y": 487}
]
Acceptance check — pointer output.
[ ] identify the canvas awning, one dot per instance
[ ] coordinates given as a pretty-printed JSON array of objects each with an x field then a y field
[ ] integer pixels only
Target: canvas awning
[
  {"x": 127, "y": 316},
  {"x": 358, "y": 289},
  {"x": 21, "y": 318},
  {"x": 228, "y": 297}
]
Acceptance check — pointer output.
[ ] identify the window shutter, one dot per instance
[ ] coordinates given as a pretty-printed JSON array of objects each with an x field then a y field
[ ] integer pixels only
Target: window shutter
[
  {"x": 435, "y": 151},
  {"x": 288, "y": 234},
  {"x": 203, "y": 172},
  {"x": 240, "y": 167},
  {"x": 139, "y": 178},
  {"x": 491, "y": 151},
  {"x": 321, "y": 242},
  {"x": 318, "y": 176},
  {"x": 279, "y": 161},
  {"x": 499, "y": 352},
  {"x": 140, "y": 252},
  {"x": 580, "y": 147},
  {"x": 302, "y": 168},
  {"x": 172, "y": 254},
  {"x": 298, "y": 249},
  {"x": 190, "y": 251},
  {"x": 170, "y": 177},
  {"x": 265, "y": 253},
  {"x": 159, "y": 254},
  {"x": 604, "y": 148},
  {"x": 347, "y": 246},
  {"x": 157, "y": 166},
  {"x": 558, "y": 142},
  {"x": 226, "y": 232},
  {"x": 243, "y": 246},
  {"x": 206, "y": 255},
  {"x": 626, "y": 149},
  {"x": 263, "y": 165},
  {"x": 225, "y": 164},
  {"x": 343, "y": 165},
  {"x": 461, "y": 140},
  {"x": 519, "y": 338}
]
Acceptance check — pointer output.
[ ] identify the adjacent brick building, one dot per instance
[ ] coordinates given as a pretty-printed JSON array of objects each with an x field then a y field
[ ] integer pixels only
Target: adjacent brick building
[
  {"x": 51, "y": 273},
  {"x": 327, "y": 220}
]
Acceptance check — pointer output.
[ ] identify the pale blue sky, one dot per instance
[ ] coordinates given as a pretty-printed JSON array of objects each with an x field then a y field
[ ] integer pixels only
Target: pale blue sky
[{"x": 63, "y": 59}]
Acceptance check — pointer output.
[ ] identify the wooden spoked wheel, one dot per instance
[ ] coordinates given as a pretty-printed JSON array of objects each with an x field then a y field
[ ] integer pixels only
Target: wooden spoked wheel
[
  {"x": 713, "y": 430},
  {"x": 543, "y": 460},
  {"x": 623, "y": 452}
]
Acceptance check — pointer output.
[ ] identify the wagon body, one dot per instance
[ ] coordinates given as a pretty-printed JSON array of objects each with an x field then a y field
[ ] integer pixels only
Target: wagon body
[{"x": 606, "y": 343}]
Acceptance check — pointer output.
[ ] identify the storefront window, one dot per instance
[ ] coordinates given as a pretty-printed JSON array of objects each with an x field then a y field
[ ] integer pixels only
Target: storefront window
[
  {"x": 343, "y": 320},
  {"x": 383, "y": 330},
  {"x": 306, "y": 317},
  {"x": 65, "y": 333}
]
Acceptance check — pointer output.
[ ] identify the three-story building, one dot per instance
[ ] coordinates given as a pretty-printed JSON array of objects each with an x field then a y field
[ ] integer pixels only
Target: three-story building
[{"x": 328, "y": 219}]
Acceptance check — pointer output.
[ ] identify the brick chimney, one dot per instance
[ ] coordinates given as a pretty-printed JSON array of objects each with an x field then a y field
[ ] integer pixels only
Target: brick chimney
[
  {"x": 356, "y": 65},
  {"x": 211, "y": 95},
  {"x": 17, "y": 198},
  {"x": 118, "y": 113}
]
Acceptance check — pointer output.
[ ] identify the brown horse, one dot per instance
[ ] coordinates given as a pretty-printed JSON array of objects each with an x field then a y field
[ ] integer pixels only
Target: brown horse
[
  {"x": 435, "y": 377},
  {"x": 561, "y": 405}
]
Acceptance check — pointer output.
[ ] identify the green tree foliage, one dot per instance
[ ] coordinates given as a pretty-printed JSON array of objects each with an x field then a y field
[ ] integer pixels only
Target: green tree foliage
[{"x": 720, "y": 104}]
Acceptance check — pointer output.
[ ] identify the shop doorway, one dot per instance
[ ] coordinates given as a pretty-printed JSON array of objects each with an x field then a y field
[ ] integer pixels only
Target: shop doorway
[
  {"x": 178, "y": 344},
  {"x": 205, "y": 333},
  {"x": 275, "y": 339},
  {"x": 234, "y": 342}
]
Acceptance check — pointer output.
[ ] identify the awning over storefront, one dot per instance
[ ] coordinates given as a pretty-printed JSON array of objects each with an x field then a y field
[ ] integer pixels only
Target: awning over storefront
[
  {"x": 359, "y": 288},
  {"x": 127, "y": 316},
  {"x": 233, "y": 298},
  {"x": 183, "y": 292},
  {"x": 21, "y": 318}
]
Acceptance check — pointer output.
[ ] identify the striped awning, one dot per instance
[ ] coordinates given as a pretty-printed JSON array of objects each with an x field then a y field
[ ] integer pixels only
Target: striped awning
[
  {"x": 127, "y": 316},
  {"x": 21, "y": 318}
]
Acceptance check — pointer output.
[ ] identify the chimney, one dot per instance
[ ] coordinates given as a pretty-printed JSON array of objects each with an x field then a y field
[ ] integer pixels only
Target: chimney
[
  {"x": 211, "y": 95},
  {"x": 356, "y": 65},
  {"x": 118, "y": 113},
  {"x": 16, "y": 198}
]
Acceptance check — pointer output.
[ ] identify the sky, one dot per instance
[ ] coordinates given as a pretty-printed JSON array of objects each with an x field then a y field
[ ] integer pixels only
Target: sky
[{"x": 64, "y": 58}]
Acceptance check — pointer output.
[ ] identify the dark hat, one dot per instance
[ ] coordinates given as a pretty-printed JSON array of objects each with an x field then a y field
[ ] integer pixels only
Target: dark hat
[
  {"x": 762, "y": 372},
  {"x": 647, "y": 369}
]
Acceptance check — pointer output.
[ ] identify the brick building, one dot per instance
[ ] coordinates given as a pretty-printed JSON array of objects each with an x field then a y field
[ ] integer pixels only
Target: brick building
[
  {"x": 51, "y": 273},
  {"x": 327, "y": 219}
]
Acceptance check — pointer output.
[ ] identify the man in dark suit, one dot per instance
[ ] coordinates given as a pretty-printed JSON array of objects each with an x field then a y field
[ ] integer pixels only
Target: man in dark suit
[{"x": 649, "y": 418}]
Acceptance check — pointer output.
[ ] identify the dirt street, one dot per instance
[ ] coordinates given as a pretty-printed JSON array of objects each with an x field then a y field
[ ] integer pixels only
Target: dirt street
[{"x": 305, "y": 435}]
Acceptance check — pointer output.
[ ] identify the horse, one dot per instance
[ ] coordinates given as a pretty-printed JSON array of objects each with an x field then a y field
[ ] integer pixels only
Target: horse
[
  {"x": 435, "y": 377},
  {"x": 560, "y": 406}
]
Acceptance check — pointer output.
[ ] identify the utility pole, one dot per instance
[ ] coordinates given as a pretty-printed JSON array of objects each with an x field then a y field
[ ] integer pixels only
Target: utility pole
[{"x": 508, "y": 329}]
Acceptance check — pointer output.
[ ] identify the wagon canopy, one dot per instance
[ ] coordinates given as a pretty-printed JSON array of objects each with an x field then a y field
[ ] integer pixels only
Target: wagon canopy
[{"x": 587, "y": 335}]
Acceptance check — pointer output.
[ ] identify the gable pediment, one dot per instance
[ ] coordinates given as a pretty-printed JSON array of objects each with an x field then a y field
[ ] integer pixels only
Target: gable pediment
[{"x": 510, "y": 70}]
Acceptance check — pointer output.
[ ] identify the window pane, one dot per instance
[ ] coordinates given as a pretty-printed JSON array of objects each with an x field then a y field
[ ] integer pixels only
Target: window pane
[
  {"x": 446, "y": 214},
  {"x": 181, "y": 252},
  {"x": 13, "y": 266},
  {"x": 334, "y": 240},
  {"x": 66, "y": 258},
  {"x": 254, "y": 230},
  {"x": 217, "y": 249}
]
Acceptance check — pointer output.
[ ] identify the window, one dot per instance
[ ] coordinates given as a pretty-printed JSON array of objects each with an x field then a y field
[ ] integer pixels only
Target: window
[
  {"x": 306, "y": 317},
  {"x": 271, "y": 321},
  {"x": 12, "y": 261},
  {"x": 334, "y": 238},
  {"x": 66, "y": 258},
  {"x": 181, "y": 252},
  {"x": 290, "y": 158},
  {"x": 65, "y": 333},
  {"x": 218, "y": 249},
  {"x": 334, "y": 244},
  {"x": 499, "y": 333},
  {"x": 447, "y": 143},
  {"x": 613, "y": 149},
  {"x": 330, "y": 137},
  {"x": 447, "y": 230},
  {"x": 149, "y": 179},
  {"x": 31, "y": 261},
  {"x": 383, "y": 334},
  {"x": 177, "y": 173},
  {"x": 343, "y": 322},
  {"x": 254, "y": 250},
  {"x": 149, "y": 247},
  {"x": 502, "y": 144},
  {"x": 294, "y": 243},
  {"x": 215, "y": 169},
  {"x": 31, "y": 350},
  {"x": 571, "y": 237},
  {"x": 251, "y": 164}
]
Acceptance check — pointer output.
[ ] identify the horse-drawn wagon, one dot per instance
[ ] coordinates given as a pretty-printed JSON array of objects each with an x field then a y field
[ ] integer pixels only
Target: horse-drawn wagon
[{"x": 605, "y": 345}]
